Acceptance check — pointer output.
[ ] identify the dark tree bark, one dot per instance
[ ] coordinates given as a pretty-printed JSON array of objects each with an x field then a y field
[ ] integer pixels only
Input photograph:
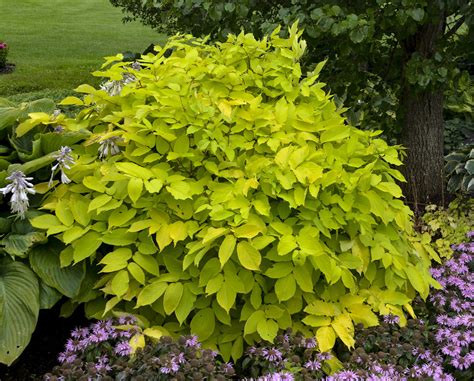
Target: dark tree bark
[
  {"x": 421, "y": 113},
  {"x": 423, "y": 137}
]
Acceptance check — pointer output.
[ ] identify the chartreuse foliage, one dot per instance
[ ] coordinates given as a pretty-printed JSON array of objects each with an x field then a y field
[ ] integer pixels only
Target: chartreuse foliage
[
  {"x": 448, "y": 226},
  {"x": 240, "y": 204},
  {"x": 31, "y": 277}
]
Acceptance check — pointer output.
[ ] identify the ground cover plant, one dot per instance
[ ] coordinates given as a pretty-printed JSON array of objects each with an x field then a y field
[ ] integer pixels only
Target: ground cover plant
[
  {"x": 448, "y": 226},
  {"x": 56, "y": 44},
  {"x": 222, "y": 194}
]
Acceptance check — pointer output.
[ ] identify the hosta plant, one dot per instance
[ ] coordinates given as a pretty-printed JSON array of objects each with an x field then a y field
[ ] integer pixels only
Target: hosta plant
[
  {"x": 30, "y": 275},
  {"x": 460, "y": 170},
  {"x": 222, "y": 194}
]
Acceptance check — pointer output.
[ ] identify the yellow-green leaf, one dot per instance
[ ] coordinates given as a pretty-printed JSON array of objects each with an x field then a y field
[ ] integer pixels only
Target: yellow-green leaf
[
  {"x": 249, "y": 257},
  {"x": 147, "y": 262},
  {"x": 86, "y": 246},
  {"x": 226, "y": 249},
  {"x": 135, "y": 188},
  {"x": 134, "y": 170},
  {"x": 172, "y": 297},
  {"x": 286, "y": 245},
  {"x": 285, "y": 288},
  {"x": 267, "y": 329},
  {"x": 150, "y": 293},
  {"x": 203, "y": 323},
  {"x": 119, "y": 285},
  {"x": 137, "y": 272},
  {"x": 226, "y": 296}
]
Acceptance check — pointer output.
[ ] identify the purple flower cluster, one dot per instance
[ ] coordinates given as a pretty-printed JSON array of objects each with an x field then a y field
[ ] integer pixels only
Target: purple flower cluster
[
  {"x": 430, "y": 370},
  {"x": 391, "y": 319},
  {"x": 84, "y": 340},
  {"x": 3, "y": 45},
  {"x": 454, "y": 307},
  {"x": 102, "y": 352},
  {"x": 289, "y": 351}
]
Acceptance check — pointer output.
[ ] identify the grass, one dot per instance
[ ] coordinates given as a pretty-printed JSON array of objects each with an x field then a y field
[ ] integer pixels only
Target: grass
[{"x": 55, "y": 44}]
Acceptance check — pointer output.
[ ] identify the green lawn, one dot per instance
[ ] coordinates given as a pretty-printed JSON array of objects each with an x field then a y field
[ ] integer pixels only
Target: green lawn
[{"x": 55, "y": 44}]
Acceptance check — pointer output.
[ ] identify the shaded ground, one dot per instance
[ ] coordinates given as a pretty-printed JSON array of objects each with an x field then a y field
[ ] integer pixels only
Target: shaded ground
[
  {"x": 7, "y": 69},
  {"x": 47, "y": 341}
]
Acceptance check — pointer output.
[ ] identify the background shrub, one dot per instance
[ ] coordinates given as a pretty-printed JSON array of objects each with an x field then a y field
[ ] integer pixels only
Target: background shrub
[{"x": 222, "y": 193}]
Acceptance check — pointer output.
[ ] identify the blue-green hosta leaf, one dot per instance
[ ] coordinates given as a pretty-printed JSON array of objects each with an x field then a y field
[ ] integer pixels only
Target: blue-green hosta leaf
[
  {"x": 17, "y": 245},
  {"x": 470, "y": 166},
  {"x": 19, "y": 308},
  {"x": 48, "y": 296},
  {"x": 44, "y": 261}
]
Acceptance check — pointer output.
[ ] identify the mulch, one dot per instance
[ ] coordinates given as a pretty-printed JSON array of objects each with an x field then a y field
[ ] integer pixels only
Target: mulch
[{"x": 9, "y": 68}]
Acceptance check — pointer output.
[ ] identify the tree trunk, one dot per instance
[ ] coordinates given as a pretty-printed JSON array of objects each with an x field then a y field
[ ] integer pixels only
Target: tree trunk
[
  {"x": 421, "y": 112},
  {"x": 423, "y": 137}
]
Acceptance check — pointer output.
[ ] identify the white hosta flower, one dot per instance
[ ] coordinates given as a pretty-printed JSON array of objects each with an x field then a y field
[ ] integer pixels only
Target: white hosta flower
[
  {"x": 136, "y": 66},
  {"x": 19, "y": 187},
  {"x": 56, "y": 113},
  {"x": 114, "y": 88},
  {"x": 109, "y": 147},
  {"x": 64, "y": 160}
]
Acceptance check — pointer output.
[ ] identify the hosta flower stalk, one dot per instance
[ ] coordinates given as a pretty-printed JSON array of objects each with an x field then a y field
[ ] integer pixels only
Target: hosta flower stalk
[
  {"x": 20, "y": 186},
  {"x": 64, "y": 160},
  {"x": 109, "y": 147}
]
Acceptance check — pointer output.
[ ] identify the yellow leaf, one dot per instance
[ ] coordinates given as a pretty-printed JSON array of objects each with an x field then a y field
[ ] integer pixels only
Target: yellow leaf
[
  {"x": 326, "y": 338},
  {"x": 212, "y": 234},
  {"x": 342, "y": 325},
  {"x": 225, "y": 108},
  {"x": 247, "y": 231},
  {"x": 156, "y": 332},
  {"x": 137, "y": 342}
]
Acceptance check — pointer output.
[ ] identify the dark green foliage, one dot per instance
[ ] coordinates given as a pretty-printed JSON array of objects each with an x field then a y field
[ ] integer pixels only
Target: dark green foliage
[
  {"x": 291, "y": 353},
  {"x": 458, "y": 133},
  {"x": 389, "y": 343},
  {"x": 460, "y": 170}
]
